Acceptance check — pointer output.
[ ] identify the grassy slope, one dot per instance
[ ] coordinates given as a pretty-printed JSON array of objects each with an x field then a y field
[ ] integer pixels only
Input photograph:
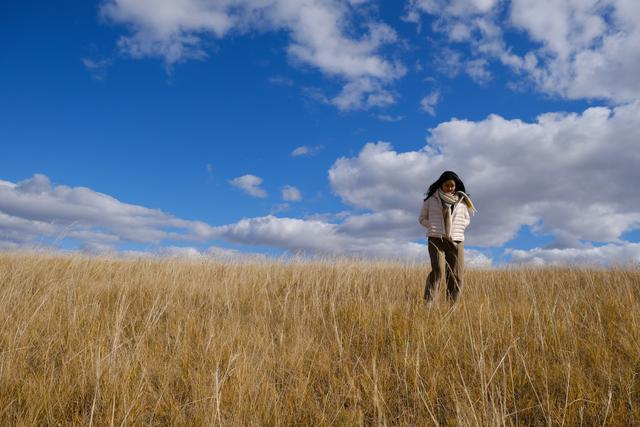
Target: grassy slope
[{"x": 174, "y": 342}]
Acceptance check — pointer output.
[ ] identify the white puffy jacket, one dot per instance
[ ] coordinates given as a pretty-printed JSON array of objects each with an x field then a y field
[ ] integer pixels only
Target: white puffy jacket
[{"x": 431, "y": 216}]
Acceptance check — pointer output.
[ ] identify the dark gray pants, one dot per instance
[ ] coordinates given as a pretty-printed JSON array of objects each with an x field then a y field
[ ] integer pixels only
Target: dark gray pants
[{"x": 453, "y": 254}]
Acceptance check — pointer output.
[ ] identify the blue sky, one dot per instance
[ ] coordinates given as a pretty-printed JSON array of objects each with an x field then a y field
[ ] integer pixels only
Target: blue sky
[{"x": 172, "y": 126}]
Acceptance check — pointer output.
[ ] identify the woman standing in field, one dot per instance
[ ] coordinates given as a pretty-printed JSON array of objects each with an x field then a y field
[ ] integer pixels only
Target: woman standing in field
[{"x": 446, "y": 214}]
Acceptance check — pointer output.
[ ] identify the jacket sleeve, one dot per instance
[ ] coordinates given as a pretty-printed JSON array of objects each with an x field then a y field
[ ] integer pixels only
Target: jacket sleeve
[
  {"x": 424, "y": 214},
  {"x": 466, "y": 216}
]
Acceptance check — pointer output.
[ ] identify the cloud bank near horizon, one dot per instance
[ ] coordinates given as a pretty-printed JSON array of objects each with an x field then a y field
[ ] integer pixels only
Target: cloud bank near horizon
[{"x": 552, "y": 175}]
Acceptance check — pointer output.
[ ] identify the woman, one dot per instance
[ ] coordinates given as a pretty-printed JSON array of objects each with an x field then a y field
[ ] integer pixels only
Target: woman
[{"x": 446, "y": 213}]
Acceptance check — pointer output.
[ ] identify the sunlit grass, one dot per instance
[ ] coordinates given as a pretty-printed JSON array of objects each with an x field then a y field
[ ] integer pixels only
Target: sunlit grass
[{"x": 98, "y": 341}]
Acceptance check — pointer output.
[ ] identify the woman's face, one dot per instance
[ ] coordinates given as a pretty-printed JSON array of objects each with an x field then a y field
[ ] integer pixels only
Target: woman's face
[{"x": 449, "y": 186}]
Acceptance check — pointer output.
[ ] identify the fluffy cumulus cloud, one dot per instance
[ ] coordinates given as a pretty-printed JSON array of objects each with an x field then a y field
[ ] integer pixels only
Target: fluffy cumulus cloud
[
  {"x": 34, "y": 209},
  {"x": 379, "y": 178},
  {"x": 588, "y": 49},
  {"x": 579, "y": 49},
  {"x": 322, "y": 34},
  {"x": 567, "y": 175}
]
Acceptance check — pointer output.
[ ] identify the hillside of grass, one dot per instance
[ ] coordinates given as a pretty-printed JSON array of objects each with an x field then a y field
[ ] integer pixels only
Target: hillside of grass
[{"x": 96, "y": 341}]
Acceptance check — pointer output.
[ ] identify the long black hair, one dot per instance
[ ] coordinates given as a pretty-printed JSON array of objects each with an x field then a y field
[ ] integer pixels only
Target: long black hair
[{"x": 446, "y": 176}]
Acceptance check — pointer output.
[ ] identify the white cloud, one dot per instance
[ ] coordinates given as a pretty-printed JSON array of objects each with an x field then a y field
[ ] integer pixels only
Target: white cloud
[
  {"x": 224, "y": 254},
  {"x": 281, "y": 207},
  {"x": 478, "y": 70},
  {"x": 455, "y": 7},
  {"x": 587, "y": 49},
  {"x": 250, "y": 184},
  {"x": 476, "y": 259},
  {"x": 317, "y": 237},
  {"x": 280, "y": 81},
  {"x": 289, "y": 233},
  {"x": 429, "y": 102},
  {"x": 306, "y": 150},
  {"x": 611, "y": 254},
  {"x": 466, "y": 21},
  {"x": 300, "y": 151},
  {"x": 327, "y": 216},
  {"x": 381, "y": 179},
  {"x": 98, "y": 67},
  {"x": 385, "y": 224},
  {"x": 321, "y": 35},
  {"x": 363, "y": 93},
  {"x": 579, "y": 49},
  {"x": 565, "y": 174},
  {"x": 448, "y": 62},
  {"x": 34, "y": 208},
  {"x": 179, "y": 252},
  {"x": 291, "y": 193},
  {"x": 389, "y": 118},
  {"x": 98, "y": 248},
  {"x": 211, "y": 253}
]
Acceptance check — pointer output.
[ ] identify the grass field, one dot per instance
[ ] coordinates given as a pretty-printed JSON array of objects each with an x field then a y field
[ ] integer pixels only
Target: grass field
[{"x": 171, "y": 342}]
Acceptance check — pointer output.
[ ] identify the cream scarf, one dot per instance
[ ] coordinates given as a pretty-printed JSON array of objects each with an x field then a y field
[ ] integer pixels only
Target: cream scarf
[{"x": 449, "y": 200}]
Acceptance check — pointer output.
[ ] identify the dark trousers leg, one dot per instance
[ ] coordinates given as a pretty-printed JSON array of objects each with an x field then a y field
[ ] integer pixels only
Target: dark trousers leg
[
  {"x": 436, "y": 272},
  {"x": 454, "y": 264}
]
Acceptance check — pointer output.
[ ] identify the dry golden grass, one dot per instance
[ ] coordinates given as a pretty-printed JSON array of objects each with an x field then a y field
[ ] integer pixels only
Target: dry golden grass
[{"x": 109, "y": 342}]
